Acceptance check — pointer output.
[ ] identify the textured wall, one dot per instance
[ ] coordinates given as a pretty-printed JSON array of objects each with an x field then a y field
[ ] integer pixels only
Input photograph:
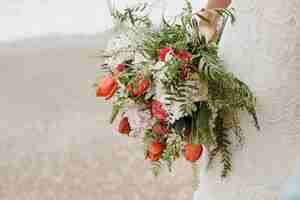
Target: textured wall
[
  {"x": 55, "y": 141},
  {"x": 263, "y": 49}
]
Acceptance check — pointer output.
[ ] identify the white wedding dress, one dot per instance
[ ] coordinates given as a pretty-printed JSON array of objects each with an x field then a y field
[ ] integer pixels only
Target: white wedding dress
[{"x": 262, "y": 49}]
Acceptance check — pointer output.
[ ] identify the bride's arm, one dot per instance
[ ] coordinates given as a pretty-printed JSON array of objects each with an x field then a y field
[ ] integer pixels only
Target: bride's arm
[{"x": 211, "y": 4}]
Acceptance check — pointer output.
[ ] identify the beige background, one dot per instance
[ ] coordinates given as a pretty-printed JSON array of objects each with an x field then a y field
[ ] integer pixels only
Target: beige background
[{"x": 56, "y": 142}]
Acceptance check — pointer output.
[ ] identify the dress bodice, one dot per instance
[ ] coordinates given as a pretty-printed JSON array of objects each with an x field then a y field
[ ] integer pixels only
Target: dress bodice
[{"x": 263, "y": 49}]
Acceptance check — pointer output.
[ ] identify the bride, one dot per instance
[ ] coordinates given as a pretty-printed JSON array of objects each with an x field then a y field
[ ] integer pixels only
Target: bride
[{"x": 263, "y": 50}]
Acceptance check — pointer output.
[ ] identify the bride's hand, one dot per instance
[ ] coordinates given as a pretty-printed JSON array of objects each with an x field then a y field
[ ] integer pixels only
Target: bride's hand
[{"x": 209, "y": 28}]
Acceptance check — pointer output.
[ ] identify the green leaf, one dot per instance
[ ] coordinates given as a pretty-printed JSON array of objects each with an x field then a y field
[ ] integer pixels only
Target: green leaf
[{"x": 115, "y": 112}]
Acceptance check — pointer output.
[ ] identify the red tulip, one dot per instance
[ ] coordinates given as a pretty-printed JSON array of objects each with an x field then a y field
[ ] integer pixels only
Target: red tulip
[
  {"x": 184, "y": 55},
  {"x": 193, "y": 152},
  {"x": 124, "y": 126},
  {"x": 121, "y": 67},
  {"x": 153, "y": 157},
  {"x": 158, "y": 111},
  {"x": 155, "y": 150},
  {"x": 130, "y": 90},
  {"x": 159, "y": 129},
  {"x": 107, "y": 87},
  {"x": 164, "y": 52},
  {"x": 140, "y": 90},
  {"x": 155, "y": 147}
]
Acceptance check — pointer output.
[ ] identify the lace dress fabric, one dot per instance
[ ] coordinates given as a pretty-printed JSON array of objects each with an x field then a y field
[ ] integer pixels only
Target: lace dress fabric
[{"x": 262, "y": 49}]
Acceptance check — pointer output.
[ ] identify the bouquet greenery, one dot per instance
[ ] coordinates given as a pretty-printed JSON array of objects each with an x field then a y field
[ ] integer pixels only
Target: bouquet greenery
[{"x": 172, "y": 89}]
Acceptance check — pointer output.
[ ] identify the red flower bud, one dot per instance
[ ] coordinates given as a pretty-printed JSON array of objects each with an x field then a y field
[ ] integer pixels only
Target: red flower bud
[
  {"x": 158, "y": 111},
  {"x": 140, "y": 90},
  {"x": 193, "y": 152},
  {"x": 121, "y": 67},
  {"x": 124, "y": 126},
  {"x": 107, "y": 87},
  {"x": 184, "y": 55}
]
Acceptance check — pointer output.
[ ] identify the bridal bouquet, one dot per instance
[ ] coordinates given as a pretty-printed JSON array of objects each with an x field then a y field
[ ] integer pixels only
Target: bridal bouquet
[{"x": 169, "y": 87}]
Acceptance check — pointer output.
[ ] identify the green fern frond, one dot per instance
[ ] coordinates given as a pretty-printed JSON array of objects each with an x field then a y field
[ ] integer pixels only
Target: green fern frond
[
  {"x": 222, "y": 148},
  {"x": 173, "y": 149},
  {"x": 133, "y": 15}
]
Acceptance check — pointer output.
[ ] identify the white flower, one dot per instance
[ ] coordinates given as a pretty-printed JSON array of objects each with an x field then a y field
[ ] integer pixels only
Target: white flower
[
  {"x": 138, "y": 58},
  {"x": 120, "y": 48},
  {"x": 159, "y": 65},
  {"x": 169, "y": 57}
]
